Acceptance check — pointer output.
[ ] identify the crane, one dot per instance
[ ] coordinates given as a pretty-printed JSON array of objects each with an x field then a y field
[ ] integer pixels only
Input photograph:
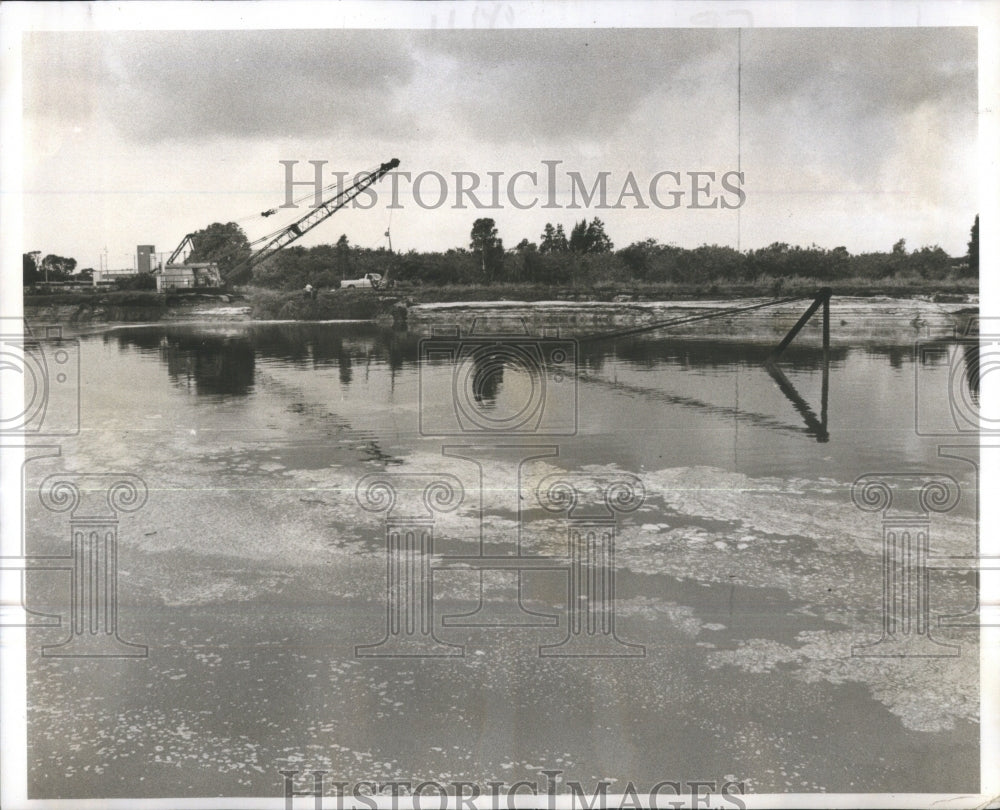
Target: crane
[
  {"x": 185, "y": 242},
  {"x": 286, "y": 235}
]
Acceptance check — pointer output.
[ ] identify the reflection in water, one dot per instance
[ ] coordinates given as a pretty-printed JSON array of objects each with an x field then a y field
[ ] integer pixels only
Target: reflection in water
[
  {"x": 312, "y": 396},
  {"x": 214, "y": 365},
  {"x": 814, "y": 427},
  {"x": 693, "y": 353},
  {"x": 971, "y": 357},
  {"x": 761, "y": 420},
  {"x": 217, "y": 362},
  {"x": 487, "y": 377},
  {"x": 344, "y": 365},
  {"x": 700, "y": 354},
  {"x": 222, "y": 362},
  {"x": 961, "y": 360}
]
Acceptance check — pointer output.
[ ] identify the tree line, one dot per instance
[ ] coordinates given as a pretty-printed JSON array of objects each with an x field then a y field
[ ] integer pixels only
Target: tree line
[
  {"x": 586, "y": 256},
  {"x": 51, "y": 268}
]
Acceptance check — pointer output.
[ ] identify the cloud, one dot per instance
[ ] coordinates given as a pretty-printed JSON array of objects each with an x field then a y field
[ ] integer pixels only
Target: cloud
[
  {"x": 498, "y": 86},
  {"x": 834, "y": 123},
  {"x": 544, "y": 85},
  {"x": 865, "y": 70},
  {"x": 197, "y": 85},
  {"x": 840, "y": 101},
  {"x": 64, "y": 76}
]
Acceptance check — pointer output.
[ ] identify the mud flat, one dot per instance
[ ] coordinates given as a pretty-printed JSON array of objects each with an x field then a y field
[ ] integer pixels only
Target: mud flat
[{"x": 852, "y": 319}]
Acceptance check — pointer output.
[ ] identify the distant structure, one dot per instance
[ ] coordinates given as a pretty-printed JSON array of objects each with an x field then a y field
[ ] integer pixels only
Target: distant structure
[
  {"x": 108, "y": 275},
  {"x": 144, "y": 258},
  {"x": 185, "y": 276}
]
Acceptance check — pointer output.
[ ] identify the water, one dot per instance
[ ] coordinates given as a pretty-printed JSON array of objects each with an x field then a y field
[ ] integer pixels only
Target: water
[
  {"x": 746, "y": 573},
  {"x": 686, "y": 403}
]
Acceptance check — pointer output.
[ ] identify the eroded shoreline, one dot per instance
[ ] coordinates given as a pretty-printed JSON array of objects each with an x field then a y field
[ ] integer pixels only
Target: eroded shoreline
[{"x": 853, "y": 318}]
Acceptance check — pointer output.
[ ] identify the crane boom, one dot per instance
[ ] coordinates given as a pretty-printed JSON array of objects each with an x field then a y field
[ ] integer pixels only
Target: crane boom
[
  {"x": 180, "y": 248},
  {"x": 310, "y": 220}
]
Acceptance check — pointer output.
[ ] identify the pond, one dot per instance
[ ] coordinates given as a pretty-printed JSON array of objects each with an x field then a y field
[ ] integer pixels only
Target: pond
[{"x": 389, "y": 556}]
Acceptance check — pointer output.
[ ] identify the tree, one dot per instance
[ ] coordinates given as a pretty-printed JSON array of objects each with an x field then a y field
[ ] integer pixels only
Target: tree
[
  {"x": 898, "y": 258},
  {"x": 589, "y": 237},
  {"x": 29, "y": 270},
  {"x": 597, "y": 239},
  {"x": 973, "y": 255},
  {"x": 487, "y": 247},
  {"x": 553, "y": 240},
  {"x": 527, "y": 263},
  {"x": 578, "y": 237},
  {"x": 57, "y": 268},
  {"x": 639, "y": 256},
  {"x": 930, "y": 262},
  {"x": 343, "y": 257},
  {"x": 226, "y": 245},
  {"x": 546, "y": 239},
  {"x": 282, "y": 269}
]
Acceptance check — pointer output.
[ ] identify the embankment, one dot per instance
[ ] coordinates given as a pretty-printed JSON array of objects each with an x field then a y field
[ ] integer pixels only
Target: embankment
[
  {"x": 852, "y": 319},
  {"x": 81, "y": 310},
  {"x": 76, "y": 309},
  {"x": 866, "y": 318}
]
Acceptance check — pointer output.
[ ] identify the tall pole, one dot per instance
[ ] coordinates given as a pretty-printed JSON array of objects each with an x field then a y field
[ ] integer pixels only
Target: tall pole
[{"x": 826, "y": 323}]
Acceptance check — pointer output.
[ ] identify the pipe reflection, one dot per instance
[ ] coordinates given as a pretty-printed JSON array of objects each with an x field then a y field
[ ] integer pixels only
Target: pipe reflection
[
  {"x": 971, "y": 359},
  {"x": 814, "y": 426},
  {"x": 214, "y": 363}
]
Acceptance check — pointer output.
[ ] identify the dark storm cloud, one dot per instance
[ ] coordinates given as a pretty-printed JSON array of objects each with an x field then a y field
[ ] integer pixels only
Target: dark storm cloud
[{"x": 198, "y": 84}]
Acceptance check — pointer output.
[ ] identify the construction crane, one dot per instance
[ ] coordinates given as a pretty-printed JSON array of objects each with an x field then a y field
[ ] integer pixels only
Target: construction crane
[
  {"x": 185, "y": 242},
  {"x": 297, "y": 229}
]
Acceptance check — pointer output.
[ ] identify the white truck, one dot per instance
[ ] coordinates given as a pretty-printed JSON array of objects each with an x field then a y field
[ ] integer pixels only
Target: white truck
[{"x": 373, "y": 280}]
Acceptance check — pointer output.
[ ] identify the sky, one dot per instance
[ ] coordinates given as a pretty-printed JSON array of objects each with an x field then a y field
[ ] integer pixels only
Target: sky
[{"x": 853, "y": 136}]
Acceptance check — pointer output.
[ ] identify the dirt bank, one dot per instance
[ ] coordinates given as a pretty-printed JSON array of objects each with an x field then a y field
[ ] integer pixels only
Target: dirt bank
[
  {"x": 852, "y": 319},
  {"x": 84, "y": 314},
  {"x": 83, "y": 310},
  {"x": 140, "y": 306}
]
